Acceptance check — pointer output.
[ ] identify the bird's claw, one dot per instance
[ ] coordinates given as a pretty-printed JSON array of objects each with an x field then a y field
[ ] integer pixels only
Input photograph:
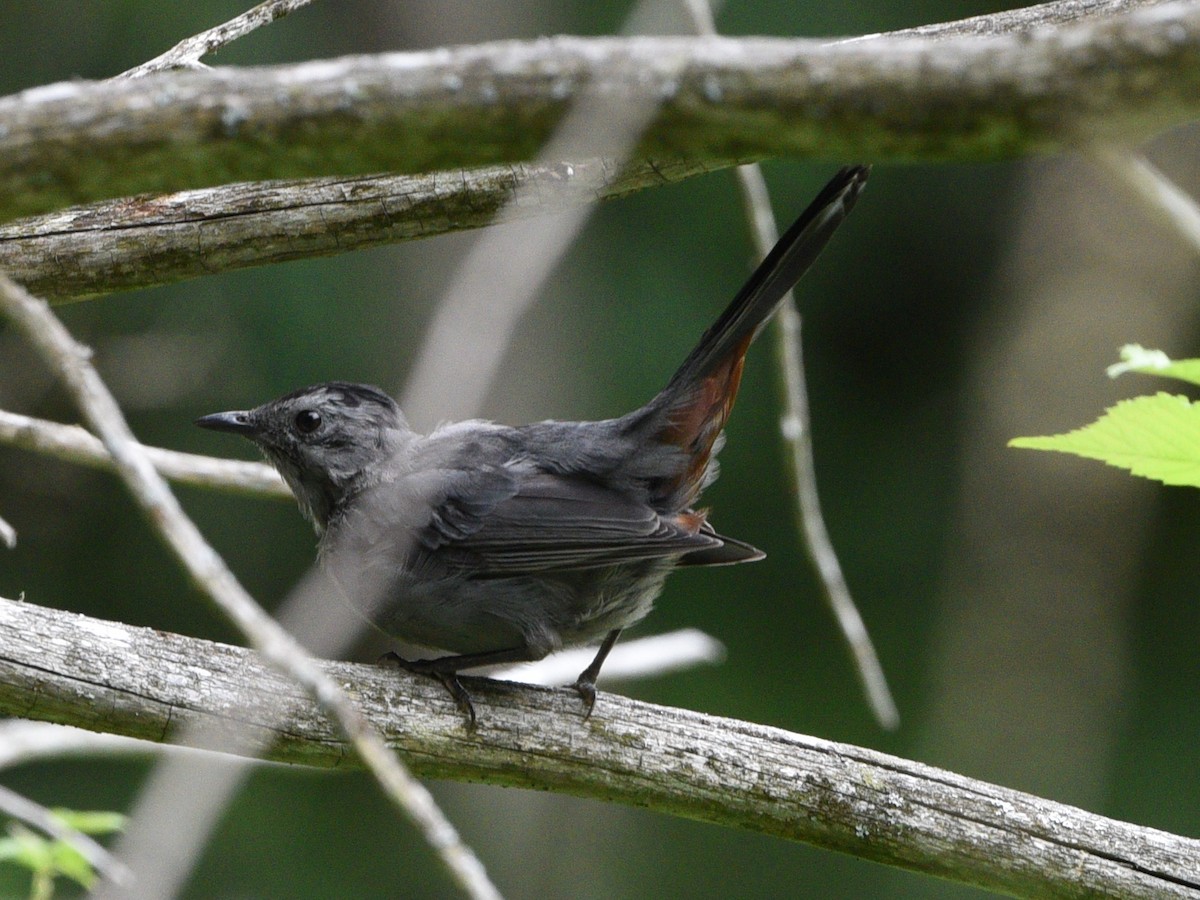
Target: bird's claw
[
  {"x": 587, "y": 693},
  {"x": 448, "y": 679}
]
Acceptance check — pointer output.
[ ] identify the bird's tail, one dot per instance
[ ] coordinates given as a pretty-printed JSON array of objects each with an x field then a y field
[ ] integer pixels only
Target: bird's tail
[{"x": 699, "y": 397}]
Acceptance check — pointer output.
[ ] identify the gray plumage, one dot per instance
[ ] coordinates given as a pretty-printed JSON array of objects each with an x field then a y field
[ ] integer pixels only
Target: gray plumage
[{"x": 502, "y": 544}]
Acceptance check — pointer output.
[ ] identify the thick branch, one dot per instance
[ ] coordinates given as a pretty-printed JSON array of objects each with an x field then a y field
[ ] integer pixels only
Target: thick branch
[
  {"x": 1123, "y": 78},
  {"x": 140, "y": 242},
  {"x": 146, "y": 683}
]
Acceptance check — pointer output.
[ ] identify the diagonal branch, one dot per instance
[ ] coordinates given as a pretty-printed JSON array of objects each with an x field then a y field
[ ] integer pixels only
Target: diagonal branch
[
  {"x": 1124, "y": 76},
  {"x": 1160, "y": 196},
  {"x": 144, "y": 683},
  {"x": 72, "y": 362},
  {"x": 19, "y": 807},
  {"x": 188, "y": 52}
]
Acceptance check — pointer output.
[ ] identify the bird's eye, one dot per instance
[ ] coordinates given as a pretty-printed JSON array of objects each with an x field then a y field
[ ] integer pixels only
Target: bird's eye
[{"x": 308, "y": 421}]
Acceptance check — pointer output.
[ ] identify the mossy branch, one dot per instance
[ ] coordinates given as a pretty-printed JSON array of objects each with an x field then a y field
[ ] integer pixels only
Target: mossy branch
[
  {"x": 455, "y": 126},
  {"x": 149, "y": 684}
]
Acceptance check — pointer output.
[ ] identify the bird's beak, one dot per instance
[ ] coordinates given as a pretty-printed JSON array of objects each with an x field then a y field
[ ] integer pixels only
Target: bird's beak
[{"x": 236, "y": 422}]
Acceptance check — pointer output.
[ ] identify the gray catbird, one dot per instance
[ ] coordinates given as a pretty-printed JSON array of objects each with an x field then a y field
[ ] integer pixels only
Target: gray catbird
[{"x": 502, "y": 544}]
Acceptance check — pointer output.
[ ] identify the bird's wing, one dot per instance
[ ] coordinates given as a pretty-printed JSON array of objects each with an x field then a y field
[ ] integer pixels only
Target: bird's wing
[{"x": 546, "y": 522}]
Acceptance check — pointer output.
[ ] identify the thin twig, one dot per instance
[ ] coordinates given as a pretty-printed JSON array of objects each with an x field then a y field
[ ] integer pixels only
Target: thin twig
[
  {"x": 644, "y": 657},
  {"x": 39, "y": 324},
  {"x": 1160, "y": 195},
  {"x": 797, "y": 433},
  {"x": 32, "y": 813},
  {"x": 188, "y": 52},
  {"x": 77, "y": 445},
  {"x": 23, "y": 741}
]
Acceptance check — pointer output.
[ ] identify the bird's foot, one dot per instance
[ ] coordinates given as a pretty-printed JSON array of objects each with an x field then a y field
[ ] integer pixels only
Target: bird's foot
[
  {"x": 448, "y": 678},
  {"x": 587, "y": 693}
]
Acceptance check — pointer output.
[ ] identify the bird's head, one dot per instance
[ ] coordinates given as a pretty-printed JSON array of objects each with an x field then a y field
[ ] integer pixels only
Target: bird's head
[{"x": 327, "y": 441}]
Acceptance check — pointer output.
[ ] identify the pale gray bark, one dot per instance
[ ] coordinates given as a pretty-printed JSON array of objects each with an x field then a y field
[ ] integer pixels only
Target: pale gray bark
[
  {"x": 140, "y": 242},
  {"x": 75, "y": 444},
  {"x": 64, "y": 667},
  {"x": 273, "y": 644},
  {"x": 188, "y": 52},
  {"x": 1114, "y": 73},
  {"x": 1120, "y": 78}
]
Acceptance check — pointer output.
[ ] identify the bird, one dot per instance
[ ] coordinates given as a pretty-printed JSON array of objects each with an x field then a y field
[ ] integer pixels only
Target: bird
[{"x": 498, "y": 544}]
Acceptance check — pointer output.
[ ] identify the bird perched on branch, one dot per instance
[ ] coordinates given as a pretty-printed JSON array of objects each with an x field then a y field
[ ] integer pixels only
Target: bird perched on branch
[{"x": 501, "y": 544}]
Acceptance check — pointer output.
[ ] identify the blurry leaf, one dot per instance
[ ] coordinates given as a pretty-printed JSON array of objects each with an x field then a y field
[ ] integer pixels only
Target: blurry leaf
[
  {"x": 1155, "y": 437},
  {"x": 47, "y": 858},
  {"x": 91, "y": 821},
  {"x": 9, "y": 849},
  {"x": 70, "y": 862},
  {"x": 26, "y": 848},
  {"x": 1136, "y": 358}
]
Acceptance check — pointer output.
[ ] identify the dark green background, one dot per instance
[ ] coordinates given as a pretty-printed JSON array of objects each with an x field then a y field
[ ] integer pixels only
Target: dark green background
[{"x": 1086, "y": 690}]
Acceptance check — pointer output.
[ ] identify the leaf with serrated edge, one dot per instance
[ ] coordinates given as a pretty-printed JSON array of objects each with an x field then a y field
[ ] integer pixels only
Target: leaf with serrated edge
[{"x": 1155, "y": 437}]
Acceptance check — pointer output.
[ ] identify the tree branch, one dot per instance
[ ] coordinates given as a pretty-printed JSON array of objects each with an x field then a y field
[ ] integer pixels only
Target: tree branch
[
  {"x": 72, "y": 443},
  {"x": 188, "y": 52},
  {"x": 210, "y": 572},
  {"x": 139, "y": 242},
  {"x": 797, "y": 436},
  {"x": 1123, "y": 77},
  {"x": 149, "y": 684},
  {"x": 1160, "y": 196}
]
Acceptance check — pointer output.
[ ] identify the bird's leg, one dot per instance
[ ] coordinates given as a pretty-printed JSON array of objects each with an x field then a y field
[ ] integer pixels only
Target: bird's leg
[
  {"x": 446, "y": 668},
  {"x": 585, "y": 684}
]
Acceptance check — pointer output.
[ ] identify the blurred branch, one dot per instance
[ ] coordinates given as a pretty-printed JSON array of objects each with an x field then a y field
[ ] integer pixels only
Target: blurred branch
[
  {"x": 22, "y": 808},
  {"x": 658, "y": 654},
  {"x": 145, "y": 683},
  {"x": 71, "y": 361},
  {"x": 1163, "y": 198},
  {"x": 1122, "y": 75},
  {"x": 188, "y": 52},
  {"x": 23, "y": 741},
  {"x": 72, "y": 443}
]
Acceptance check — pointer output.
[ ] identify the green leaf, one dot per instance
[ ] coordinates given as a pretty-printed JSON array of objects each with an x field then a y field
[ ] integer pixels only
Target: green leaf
[
  {"x": 1136, "y": 358},
  {"x": 90, "y": 821},
  {"x": 10, "y": 848},
  {"x": 70, "y": 862},
  {"x": 1155, "y": 437},
  {"x": 27, "y": 848}
]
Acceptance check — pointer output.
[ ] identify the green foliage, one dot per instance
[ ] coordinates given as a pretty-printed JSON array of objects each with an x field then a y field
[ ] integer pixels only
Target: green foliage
[
  {"x": 1155, "y": 436},
  {"x": 48, "y": 858}
]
